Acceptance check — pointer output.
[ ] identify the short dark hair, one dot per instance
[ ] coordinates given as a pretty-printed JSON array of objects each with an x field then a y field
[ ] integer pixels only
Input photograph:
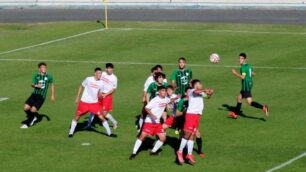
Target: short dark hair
[
  {"x": 152, "y": 69},
  {"x": 109, "y": 65},
  {"x": 41, "y": 64},
  {"x": 194, "y": 82},
  {"x": 243, "y": 55},
  {"x": 158, "y": 66},
  {"x": 98, "y": 69},
  {"x": 170, "y": 87},
  {"x": 161, "y": 88},
  {"x": 182, "y": 58},
  {"x": 159, "y": 74}
]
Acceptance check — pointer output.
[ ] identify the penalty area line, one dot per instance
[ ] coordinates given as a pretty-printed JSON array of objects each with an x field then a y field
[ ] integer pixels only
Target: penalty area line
[
  {"x": 287, "y": 162},
  {"x": 148, "y": 63},
  {"x": 3, "y": 99},
  {"x": 50, "y": 42}
]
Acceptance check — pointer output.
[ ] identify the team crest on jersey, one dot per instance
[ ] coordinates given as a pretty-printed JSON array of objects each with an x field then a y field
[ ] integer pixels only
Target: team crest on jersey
[
  {"x": 184, "y": 80},
  {"x": 46, "y": 78}
]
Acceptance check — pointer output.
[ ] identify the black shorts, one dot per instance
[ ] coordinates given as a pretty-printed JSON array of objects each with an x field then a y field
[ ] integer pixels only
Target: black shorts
[
  {"x": 35, "y": 100},
  {"x": 245, "y": 94}
]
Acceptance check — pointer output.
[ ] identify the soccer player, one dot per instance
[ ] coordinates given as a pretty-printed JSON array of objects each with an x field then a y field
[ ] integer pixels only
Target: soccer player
[
  {"x": 40, "y": 82},
  {"x": 90, "y": 87},
  {"x": 152, "y": 125},
  {"x": 109, "y": 80},
  {"x": 246, "y": 75},
  {"x": 152, "y": 93},
  {"x": 181, "y": 77},
  {"x": 175, "y": 119},
  {"x": 192, "y": 119},
  {"x": 158, "y": 81},
  {"x": 150, "y": 80}
]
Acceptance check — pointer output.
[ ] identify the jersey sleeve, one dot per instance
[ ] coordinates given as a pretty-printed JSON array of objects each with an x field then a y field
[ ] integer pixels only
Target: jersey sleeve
[
  {"x": 115, "y": 83},
  {"x": 34, "y": 80},
  {"x": 151, "y": 104},
  {"x": 173, "y": 76},
  {"x": 150, "y": 88},
  {"x": 146, "y": 85},
  {"x": 84, "y": 83},
  {"x": 190, "y": 74}
]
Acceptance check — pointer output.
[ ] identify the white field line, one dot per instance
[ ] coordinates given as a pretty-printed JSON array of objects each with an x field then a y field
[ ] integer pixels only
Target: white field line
[
  {"x": 149, "y": 29},
  {"x": 287, "y": 162},
  {"x": 207, "y": 30},
  {"x": 146, "y": 63},
  {"x": 50, "y": 42},
  {"x": 3, "y": 99}
]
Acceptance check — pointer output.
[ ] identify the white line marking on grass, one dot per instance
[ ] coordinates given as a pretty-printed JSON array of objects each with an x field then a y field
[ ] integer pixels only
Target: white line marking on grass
[
  {"x": 3, "y": 99},
  {"x": 207, "y": 30},
  {"x": 148, "y": 63},
  {"x": 50, "y": 42},
  {"x": 287, "y": 162},
  {"x": 149, "y": 29},
  {"x": 85, "y": 144}
]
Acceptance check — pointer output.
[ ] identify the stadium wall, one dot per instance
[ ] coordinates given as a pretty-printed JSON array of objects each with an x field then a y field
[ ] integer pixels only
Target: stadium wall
[{"x": 194, "y": 4}]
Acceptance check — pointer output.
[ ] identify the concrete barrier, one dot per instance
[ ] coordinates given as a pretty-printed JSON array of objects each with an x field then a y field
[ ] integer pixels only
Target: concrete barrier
[{"x": 193, "y": 4}]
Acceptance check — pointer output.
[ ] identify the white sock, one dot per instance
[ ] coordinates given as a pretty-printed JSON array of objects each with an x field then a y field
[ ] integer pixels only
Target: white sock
[
  {"x": 111, "y": 118},
  {"x": 157, "y": 145},
  {"x": 140, "y": 122},
  {"x": 90, "y": 119},
  {"x": 190, "y": 146},
  {"x": 72, "y": 126},
  {"x": 182, "y": 145},
  {"x": 106, "y": 126},
  {"x": 137, "y": 146}
]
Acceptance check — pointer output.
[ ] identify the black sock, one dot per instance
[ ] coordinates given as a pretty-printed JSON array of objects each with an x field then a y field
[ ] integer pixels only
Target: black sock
[
  {"x": 29, "y": 113},
  {"x": 199, "y": 143},
  {"x": 256, "y": 105},
  {"x": 238, "y": 107},
  {"x": 30, "y": 117}
]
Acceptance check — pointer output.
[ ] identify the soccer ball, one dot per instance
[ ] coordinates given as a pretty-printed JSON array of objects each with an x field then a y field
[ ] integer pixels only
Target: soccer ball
[{"x": 214, "y": 58}]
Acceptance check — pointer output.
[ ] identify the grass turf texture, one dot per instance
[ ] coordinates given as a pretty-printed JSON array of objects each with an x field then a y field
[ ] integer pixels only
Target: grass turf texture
[{"x": 245, "y": 144}]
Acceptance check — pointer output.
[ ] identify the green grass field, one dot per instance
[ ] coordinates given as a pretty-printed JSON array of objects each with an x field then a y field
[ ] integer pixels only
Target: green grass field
[{"x": 245, "y": 144}]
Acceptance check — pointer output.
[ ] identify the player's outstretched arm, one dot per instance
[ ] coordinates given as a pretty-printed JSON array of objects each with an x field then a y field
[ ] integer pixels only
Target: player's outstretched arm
[
  {"x": 237, "y": 74},
  {"x": 52, "y": 92},
  {"x": 77, "y": 98}
]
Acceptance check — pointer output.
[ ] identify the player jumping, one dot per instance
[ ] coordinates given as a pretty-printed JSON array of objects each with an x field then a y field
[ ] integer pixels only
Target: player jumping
[{"x": 192, "y": 119}]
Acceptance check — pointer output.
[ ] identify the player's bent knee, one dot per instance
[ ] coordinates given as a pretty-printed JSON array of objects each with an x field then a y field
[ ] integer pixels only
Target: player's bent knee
[{"x": 33, "y": 109}]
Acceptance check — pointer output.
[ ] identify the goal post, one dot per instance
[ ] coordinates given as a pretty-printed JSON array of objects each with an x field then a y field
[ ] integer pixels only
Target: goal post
[{"x": 105, "y": 2}]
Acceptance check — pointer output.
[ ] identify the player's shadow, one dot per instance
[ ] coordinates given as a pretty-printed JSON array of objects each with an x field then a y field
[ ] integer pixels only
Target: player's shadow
[
  {"x": 40, "y": 118},
  {"x": 240, "y": 114},
  {"x": 82, "y": 127}
]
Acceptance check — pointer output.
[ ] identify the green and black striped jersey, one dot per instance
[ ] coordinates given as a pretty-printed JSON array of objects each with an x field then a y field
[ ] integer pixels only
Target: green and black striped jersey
[
  {"x": 182, "y": 79},
  {"x": 247, "y": 83},
  {"x": 45, "y": 80}
]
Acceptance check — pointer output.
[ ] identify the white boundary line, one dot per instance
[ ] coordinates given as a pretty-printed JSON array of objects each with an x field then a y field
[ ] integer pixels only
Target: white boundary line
[
  {"x": 50, "y": 42},
  {"x": 207, "y": 30},
  {"x": 287, "y": 162},
  {"x": 148, "y": 29},
  {"x": 146, "y": 63},
  {"x": 3, "y": 99}
]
